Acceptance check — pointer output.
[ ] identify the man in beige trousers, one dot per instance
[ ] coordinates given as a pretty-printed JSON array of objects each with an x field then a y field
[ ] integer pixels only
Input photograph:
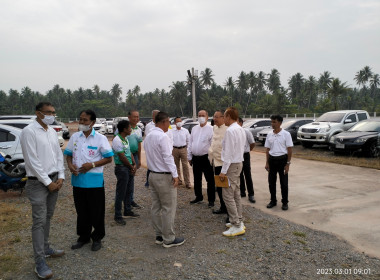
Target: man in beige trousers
[
  {"x": 181, "y": 137},
  {"x": 232, "y": 157}
]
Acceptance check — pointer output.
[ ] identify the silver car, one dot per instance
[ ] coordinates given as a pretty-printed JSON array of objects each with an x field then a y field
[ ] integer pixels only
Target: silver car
[
  {"x": 10, "y": 142},
  {"x": 256, "y": 125}
]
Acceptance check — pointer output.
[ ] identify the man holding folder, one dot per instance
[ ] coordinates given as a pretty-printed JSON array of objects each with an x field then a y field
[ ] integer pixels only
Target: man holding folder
[{"x": 232, "y": 157}]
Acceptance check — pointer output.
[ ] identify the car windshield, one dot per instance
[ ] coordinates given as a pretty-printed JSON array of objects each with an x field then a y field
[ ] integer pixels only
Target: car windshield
[
  {"x": 287, "y": 124},
  {"x": 331, "y": 117},
  {"x": 366, "y": 126},
  {"x": 109, "y": 123},
  {"x": 248, "y": 124}
]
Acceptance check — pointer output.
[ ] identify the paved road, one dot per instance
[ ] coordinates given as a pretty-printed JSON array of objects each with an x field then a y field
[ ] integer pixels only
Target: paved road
[{"x": 339, "y": 199}]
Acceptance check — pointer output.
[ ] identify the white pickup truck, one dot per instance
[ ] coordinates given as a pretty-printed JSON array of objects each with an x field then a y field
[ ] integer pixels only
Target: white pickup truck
[{"x": 327, "y": 125}]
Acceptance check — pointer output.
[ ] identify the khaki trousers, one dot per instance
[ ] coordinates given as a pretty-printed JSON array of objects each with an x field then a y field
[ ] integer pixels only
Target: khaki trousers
[
  {"x": 181, "y": 155},
  {"x": 231, "y": 195},
  {"x": 164, "y": 205}
]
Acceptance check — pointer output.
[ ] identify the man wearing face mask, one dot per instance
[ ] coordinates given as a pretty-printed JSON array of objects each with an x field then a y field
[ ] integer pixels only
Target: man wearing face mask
[
  {"x": 197, "y": 154},
  {"x": 45, "y": 170},
  {"x": 87, "y": 152},
  {"x": 181, "y": 137}
]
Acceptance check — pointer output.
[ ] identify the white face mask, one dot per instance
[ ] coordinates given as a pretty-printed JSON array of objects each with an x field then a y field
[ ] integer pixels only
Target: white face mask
[
  {"x": 48, "y": 119},
  {"x": 179, "y": 124},
  {"x": 84, "y": 127},
  {"x": 202, "y": 120}
]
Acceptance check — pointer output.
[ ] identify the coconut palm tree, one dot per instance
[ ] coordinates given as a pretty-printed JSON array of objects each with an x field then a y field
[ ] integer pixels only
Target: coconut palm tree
[
  {"x": 273, "y": 81},
  {"x": 116, "y": 92},
  {"x": 296, "y": 83},
  {"x": 311, "y": 91},
  {"x": 367, "y": 74},
  {"x": 242, "y": 84},
  {"x": 178, "y": 93},
  {"x": 206, "y": 78},
  {"x": 324, "y": 82},
  {"x": 229, "y": 85},
  {"x": 335, "y": 90}
]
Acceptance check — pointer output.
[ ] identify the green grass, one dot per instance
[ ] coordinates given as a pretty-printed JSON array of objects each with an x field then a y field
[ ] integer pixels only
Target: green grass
[{"x": 299, "y": 234}]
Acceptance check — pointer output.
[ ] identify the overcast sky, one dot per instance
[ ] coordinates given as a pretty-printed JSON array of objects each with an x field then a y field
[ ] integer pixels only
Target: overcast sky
[{"x": 152, "y": 43}]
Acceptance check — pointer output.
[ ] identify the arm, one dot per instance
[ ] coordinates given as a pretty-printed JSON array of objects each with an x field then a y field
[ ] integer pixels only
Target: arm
[
  {"x": 138, "y": 156},
  {"x": 227, "y": 151},
  {"x": 251, "y": 146},
  {"x": 290, "y": 152},
  {"x": 189, "y": 154},
  {"x": 267, "y": 159}
]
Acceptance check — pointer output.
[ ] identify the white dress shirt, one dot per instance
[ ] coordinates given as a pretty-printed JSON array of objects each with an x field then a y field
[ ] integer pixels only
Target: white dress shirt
[
  {"x": 158, "y": 152},
  {"x": 250, "y": 140},
  {"x": 200, "y": 141},
  {"x": 278, "y": 143},
  {"x": 169, "y": 133},
  {"x": 149, "y": 127},
  {"x": 41, "y": 152},
  {"x": 181, "y": 137},
  {"x": 233, "y": 146}
]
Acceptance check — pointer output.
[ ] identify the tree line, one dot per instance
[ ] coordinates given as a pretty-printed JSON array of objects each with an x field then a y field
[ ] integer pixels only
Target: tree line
[{"x": 252, "y": 93}]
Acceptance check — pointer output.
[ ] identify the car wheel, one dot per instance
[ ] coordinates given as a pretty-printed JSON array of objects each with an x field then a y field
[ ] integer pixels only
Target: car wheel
[
  {"x": 373, "y": 151},
  {"x": 307, "y": 144}
]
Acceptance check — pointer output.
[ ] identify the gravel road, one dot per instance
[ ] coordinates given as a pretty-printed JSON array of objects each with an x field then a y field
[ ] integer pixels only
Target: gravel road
[{"x": 272, "y": 248}]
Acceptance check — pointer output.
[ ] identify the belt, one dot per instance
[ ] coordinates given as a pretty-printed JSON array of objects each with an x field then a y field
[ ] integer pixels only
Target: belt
[
  {"x": 160, "y": 172},
  {"x": 278, "y": 157},
  {"x": 180, "y": 147},
  {"x": 51, "y": 176}
]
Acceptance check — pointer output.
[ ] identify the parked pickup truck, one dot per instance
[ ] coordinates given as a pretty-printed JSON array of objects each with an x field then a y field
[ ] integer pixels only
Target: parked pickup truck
[{"x": 327, "y": 125}]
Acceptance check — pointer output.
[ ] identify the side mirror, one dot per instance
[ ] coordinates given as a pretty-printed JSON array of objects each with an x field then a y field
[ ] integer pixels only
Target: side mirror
[
  {"x": 255, "y": 125},
  {"x": 348, "y": 121}
]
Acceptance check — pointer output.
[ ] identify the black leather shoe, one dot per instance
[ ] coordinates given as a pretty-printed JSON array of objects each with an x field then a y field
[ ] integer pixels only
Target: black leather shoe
[
  {"x": 271, "y": 204},
  {"x": 251, "y": 199},
  {"x": 219, "y": 211},
  {"x": 96, "y": 245},
  {"x": 285, "y": 206},
  {"x": 197, "y": 200},
  {"x": 211, "y": 204},
  {"x": 243, "y": 195},
  {"x": 79, "y": 245}
]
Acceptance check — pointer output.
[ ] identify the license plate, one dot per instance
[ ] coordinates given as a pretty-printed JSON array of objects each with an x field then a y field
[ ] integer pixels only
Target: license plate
[
  {"x": 339, "y": 146},
  {"x": 307, "y": 136}
]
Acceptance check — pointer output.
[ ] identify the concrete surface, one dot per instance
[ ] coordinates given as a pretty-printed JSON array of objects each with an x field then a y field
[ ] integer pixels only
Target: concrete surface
[{"x": 339, "y": 199}]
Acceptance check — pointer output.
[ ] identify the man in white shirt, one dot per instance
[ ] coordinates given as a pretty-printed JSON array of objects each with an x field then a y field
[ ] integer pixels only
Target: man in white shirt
[
  {"x": 181, "y": 138},
  {"x": 279, "y": 154},
  {"x": 245, "y": 175},
  {"x": 148, "y": 128},
  {"x": 45, "y": 170},
  {"x": 215, "y": 154},
  {"x": 197, "y": 154},
  {"x": 163, "y": 181},
  {"x": 232, "y": 157}
]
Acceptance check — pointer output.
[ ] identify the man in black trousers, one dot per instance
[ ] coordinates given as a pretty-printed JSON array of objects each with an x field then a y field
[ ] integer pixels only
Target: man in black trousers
[
  {"x": 246, "y": 171},
  {"x": 278, "y": 153}
]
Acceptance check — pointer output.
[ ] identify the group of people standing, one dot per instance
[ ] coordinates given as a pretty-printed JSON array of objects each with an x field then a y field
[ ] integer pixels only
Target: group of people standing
[{"x": 221, "y": 150}]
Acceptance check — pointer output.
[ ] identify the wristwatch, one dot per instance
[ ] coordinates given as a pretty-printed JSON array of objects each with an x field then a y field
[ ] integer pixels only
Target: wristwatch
[
  {"x": 288, "y": 162},
  {"x": 93, "y": 165}
]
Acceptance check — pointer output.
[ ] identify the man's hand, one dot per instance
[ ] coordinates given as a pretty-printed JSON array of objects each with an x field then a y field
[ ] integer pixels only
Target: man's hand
[
  {"x": 286, "y": 169},
  {"x": 73, "y": 169},
  {"x": 133, "y": 170},
  {"x": 85, "y": 167},
  {"x": 175, "y": 182},
  {"x": 267, "y": 167},
  {"x": 53, "y": 187},
  {"x": 59, "y": 183},
  {"x": 138, "y": 165},
  {"x": 222, "y": 176},
  {"x": 191, "y": 162}
]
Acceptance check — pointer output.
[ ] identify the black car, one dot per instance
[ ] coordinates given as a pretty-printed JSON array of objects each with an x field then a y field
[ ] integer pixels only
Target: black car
[
  {"x": 291, "y": 126},
  {"x": 362, "y": 137}
]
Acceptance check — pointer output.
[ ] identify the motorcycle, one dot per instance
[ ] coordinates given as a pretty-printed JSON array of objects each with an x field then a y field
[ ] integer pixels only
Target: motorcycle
[{"x": 12, "y": 177}]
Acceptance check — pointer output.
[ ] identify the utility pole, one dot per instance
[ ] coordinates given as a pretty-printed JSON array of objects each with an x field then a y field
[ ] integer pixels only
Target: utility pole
[{"x": 193, "y": 76}]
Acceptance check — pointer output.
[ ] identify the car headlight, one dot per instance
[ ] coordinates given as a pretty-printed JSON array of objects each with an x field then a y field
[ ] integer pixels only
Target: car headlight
[
  {"x": 324, "y": 129},
  {"x": 332, "y": 139},
  {"x": 360, "y": 140}
]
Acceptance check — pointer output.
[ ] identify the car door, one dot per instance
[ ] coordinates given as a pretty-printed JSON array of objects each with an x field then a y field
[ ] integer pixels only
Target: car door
[
  {"x": 348, "y": 124},
  {"x": 8, "y": 142}
]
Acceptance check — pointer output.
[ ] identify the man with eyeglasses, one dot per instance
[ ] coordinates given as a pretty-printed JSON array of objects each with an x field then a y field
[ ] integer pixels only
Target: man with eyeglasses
[{"x": 45, "y": 170}]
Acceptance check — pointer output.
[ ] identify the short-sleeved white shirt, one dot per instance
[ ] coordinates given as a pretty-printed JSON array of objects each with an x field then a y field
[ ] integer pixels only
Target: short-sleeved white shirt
[
  {"x": 278, "y": 143},
  {"x": 250, "y": 140}
]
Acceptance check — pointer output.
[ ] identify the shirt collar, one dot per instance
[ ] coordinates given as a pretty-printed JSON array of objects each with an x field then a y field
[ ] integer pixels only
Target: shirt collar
[
  {"x": 92, "y": 133},
  {"x": 37, "y": 124},
  {"x": 158, "y": 129}
]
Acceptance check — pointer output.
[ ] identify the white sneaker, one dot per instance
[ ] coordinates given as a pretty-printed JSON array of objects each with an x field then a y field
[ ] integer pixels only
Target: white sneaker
[
  {"x": 241, "y": 225},
  {"x": 234, "y": 231}
]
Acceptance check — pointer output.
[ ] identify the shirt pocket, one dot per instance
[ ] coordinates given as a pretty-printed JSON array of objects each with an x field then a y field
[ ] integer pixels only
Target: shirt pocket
[{"x": 92, "y": 151}]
